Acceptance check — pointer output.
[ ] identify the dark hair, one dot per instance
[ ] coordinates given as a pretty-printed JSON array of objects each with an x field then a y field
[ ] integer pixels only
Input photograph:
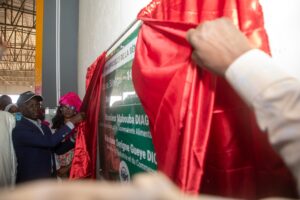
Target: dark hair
[
  {"x": 4, "y": 101},
  {"x": 58, "y": 120}
]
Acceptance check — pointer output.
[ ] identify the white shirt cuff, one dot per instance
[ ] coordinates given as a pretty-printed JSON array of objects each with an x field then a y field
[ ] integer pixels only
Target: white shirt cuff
[
  {"x": 70, "y": 125},
  {"x": 252, "y": 73}
]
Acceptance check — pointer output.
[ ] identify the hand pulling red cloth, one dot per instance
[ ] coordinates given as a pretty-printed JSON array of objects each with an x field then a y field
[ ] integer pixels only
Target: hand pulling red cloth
[{"x": 206, "y": 139}]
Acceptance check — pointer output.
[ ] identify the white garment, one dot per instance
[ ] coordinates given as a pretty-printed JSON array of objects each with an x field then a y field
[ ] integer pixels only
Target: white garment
[
  {"x": 9, "y": 106},
  {"x": 8, "y": 162},
  {"x": 275, "y": 97}
]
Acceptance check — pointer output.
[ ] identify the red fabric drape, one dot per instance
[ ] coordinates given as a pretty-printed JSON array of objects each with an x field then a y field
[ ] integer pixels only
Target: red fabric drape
[
  {"x": 84, "y": 161},
  {"x": 89, "y": 74},
  {"x": 205, "y": 138}
]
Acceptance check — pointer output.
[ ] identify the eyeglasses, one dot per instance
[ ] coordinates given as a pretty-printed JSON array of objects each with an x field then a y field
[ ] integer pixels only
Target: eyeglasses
[{"x": 67, "y": 107}]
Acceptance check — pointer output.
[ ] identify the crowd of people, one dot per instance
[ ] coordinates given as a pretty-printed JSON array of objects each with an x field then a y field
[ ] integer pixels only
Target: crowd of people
[
  {"x": 218, "y": 46},
  {"x": 30, "y": 149}
]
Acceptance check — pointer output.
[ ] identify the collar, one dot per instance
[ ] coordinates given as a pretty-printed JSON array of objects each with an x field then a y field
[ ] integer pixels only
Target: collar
[{"x": 37, "y": 123}]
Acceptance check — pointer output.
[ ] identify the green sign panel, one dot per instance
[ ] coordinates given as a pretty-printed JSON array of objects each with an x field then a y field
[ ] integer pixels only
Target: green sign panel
[{"x": 125, "y": 143}]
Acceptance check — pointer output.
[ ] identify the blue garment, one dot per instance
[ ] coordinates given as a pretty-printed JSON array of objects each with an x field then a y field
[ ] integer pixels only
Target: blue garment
[
  {"x": 18, "y": 116},
  {"x": 35, "y": 150}
]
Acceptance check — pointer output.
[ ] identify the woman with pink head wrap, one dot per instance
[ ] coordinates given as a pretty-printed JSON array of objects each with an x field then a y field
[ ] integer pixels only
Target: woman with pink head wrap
[
  {"x": 69, "y": 105},
  {"x": 71, "y": 99}
]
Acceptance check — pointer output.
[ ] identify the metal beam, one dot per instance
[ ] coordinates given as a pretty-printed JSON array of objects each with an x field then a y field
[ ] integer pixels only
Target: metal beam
[
  {"x": 13, "y": 21},
  {"x": 17, "y": 29},
  {"x": 17, "y": 26},
  {"x": 14, "y": 8}
]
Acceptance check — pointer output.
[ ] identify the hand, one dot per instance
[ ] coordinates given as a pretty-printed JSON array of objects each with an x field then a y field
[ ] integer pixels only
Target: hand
[
  {"x": 143, "y": 187},
  {"x": 217, "y": 44},
  {"x": 74, "y": 136},
  {"x": 77, "y": 118}
]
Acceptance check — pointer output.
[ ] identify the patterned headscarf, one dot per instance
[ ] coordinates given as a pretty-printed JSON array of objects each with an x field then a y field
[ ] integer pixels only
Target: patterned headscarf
[{"x": 70, "y": 99}]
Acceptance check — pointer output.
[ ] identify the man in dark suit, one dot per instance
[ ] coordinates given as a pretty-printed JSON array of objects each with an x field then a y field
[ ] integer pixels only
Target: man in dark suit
[{"x": 34, "y": 142}]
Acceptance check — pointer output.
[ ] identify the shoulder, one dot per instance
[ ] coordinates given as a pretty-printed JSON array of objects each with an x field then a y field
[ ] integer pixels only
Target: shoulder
[
  {"x": 5, "y": 115},
  {"x": 22, "y": 122},
  {"x": 22, "y": 125},
  {"x": 7, "y": 120}
]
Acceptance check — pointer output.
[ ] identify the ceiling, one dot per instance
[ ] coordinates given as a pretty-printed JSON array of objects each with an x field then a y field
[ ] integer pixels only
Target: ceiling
[{"x": 18, "y": 33}]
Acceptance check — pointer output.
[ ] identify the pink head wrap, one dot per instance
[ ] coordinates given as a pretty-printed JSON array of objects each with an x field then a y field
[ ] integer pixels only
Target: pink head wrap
[{"x": 70, "y": 99}]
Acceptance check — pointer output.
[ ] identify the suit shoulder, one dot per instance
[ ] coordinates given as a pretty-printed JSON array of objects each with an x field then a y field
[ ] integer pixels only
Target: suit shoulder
[{"x": 22, "y": 125}]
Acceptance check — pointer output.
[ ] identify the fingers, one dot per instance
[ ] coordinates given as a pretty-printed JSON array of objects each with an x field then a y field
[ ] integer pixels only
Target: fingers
[
  {"x": 216, "y": 44},
  {"x": 83, "y": 116},
  {"x": 196, "y": 57},
  {"x": 190, "y": 36},
  {"x": 78, "y": 118}
]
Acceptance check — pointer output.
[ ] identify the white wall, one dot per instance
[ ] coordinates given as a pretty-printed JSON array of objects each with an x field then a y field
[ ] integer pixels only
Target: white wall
[
  {"x": 101, "y": 22},
  {"x": 282, "y": 21}
]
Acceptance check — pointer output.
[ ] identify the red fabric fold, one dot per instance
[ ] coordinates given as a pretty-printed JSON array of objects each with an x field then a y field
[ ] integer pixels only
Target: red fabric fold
[
  {"x": 84, "y": 161},
  {"x": 205, "y": 138},
  {"x": 89, "y": 74}
]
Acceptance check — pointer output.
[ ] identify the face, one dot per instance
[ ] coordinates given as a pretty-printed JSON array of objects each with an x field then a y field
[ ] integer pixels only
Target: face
[
  {"x": 13, "y": 109},
  {"x": 31, "y": 109},
  {"x": 68, "y": 111}
]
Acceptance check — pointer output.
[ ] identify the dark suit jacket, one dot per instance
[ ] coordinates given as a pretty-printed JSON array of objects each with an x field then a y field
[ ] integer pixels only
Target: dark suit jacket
[{"x": 34, "y": 150}]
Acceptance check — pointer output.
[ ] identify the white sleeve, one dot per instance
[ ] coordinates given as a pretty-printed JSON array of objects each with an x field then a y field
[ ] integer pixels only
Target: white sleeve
[
  {"x": 7, "y": 153},
  {"x": 275, "y": 97}
]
